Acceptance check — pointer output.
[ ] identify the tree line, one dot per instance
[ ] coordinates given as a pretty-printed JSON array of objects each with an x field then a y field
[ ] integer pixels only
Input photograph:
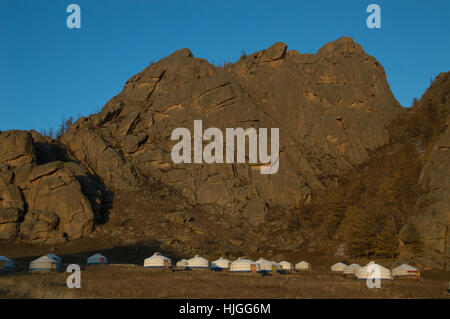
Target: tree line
[{"x": 63, "y": 128}]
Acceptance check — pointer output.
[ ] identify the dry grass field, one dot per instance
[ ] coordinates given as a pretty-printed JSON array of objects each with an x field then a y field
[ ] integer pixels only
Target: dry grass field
[{"x": 131, "y": 281}]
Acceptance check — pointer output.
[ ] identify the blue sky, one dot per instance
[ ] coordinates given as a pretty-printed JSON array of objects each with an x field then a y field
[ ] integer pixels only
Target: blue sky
[{"x": 48, "y": 71}]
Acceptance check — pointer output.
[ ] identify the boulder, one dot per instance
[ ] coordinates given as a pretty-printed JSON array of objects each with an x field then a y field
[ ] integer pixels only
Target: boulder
[
  {"x": 17, "y": 148},
  {"x": 43, "y": 199}
]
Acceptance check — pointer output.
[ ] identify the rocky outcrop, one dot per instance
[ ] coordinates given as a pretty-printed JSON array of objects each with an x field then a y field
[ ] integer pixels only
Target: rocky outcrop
[
  {"x": 433, "y": 222},
  {"x": 42, "y": 202},
  {"x": 331, "y": 114}
]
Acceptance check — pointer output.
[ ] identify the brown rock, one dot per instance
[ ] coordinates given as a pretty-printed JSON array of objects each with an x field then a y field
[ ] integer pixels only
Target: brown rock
[
  {"x": 50, "y": 196},
  {"x": 17, "y": 148},
  {"x": 256, "y": 212},
  {"x": 8, "y": 231},
  {"x": 9, "y": 215}
]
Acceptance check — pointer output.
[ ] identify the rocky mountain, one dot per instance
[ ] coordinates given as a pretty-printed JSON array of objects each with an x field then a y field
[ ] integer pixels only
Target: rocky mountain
[{"x": 334, "y": 110}]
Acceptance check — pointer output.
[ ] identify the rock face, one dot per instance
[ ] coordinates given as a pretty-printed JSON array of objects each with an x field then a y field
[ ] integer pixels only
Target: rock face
[
  {"x": 433, "y": 220},
  {"x": 42, "y": 202},
  {"x": 433, "y": 223},
  {"x": 331, "y": 107}
]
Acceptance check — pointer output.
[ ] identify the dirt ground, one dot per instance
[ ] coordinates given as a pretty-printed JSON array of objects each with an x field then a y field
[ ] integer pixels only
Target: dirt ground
[
  {"x": 126, "y": 278},
  {"x": 131, "y": 281}
]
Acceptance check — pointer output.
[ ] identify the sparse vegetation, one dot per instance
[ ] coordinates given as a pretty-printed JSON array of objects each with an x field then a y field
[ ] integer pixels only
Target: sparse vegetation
[{"x": 135, "y": 282}]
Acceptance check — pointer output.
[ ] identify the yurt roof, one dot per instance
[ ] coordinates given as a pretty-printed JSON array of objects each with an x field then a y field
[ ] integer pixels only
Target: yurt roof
[
  {"x": 284, "y": 262},
  {"x": 373, "y": 263},
  {"x": 97, "y": 256},
  {"x": 5, "y": 259},
  {"x": 266, "y": 261},
  {"x": 158, "y": 258},
  {"x": 405, "y": 267},
  {"x": 44, "y": 259},
  {"x": 197, "y": 257},
  {"x": 222, "y": 259},
  {"x": 53, "y": 256},
  {"x": 261, "y": 259},
  {"x": 243, "y": 260},
  {"x": 354, "y": 266},
  {"x": 339, "y": 264},
  {"x": 302, "y": 263}
]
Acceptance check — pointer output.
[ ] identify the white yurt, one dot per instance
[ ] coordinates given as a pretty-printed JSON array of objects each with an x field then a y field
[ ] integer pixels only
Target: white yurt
[
  {"x": 338, "y": 267},
  {"x": 221, "y": 264},
  {"x": 57, "y": 258},
  {"x": 197, "y": 263},
  {"x": 158, "y": 261},
  {"x": 286, "y": 265},
  {"x": 374, "y": 270},
  {"x": 303, "y": 265},
  {"x": 6, "y": 264},
  {"x": 97, "y": 259},
  {"x": 350, "y": 270},
  {"x": 244, "y": 265},
  {"x": 181, "y": 263},
  {"x": 405, "y": 270},
  {"x": 44, "y": 263},
  {"x": 267, "y": 265}
]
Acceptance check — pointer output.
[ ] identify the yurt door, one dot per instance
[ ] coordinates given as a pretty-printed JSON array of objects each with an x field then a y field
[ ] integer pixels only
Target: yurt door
[
  {"x": 102, "y": 261},
  {"x": 166, "y": 264},
  {"x": 53, "y": 267},
  {"x": 253, "y": 268},
  {"x": 2, "y": 265}
]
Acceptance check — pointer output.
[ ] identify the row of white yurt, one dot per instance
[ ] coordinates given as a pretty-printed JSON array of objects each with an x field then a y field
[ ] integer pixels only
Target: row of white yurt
[
  {"x": 44, "y": 263},
  {"x": 286, "y": 266},
  {"x": 97, "y": 259},
  {"x": 158, "y": 261},
  {"x": 303, "y": 265},
  {"x": 6, "y": 264},
  {"x": 405, "y": 270},
  {"x": 197, "y": 263},
  {"x": 374, "y": 271},
  {"x": 221, "y": 264},
  {"x": 350, "y": 270},
  {"x": 244, "y": 265},
  {"x": 338, "y": 267}
]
